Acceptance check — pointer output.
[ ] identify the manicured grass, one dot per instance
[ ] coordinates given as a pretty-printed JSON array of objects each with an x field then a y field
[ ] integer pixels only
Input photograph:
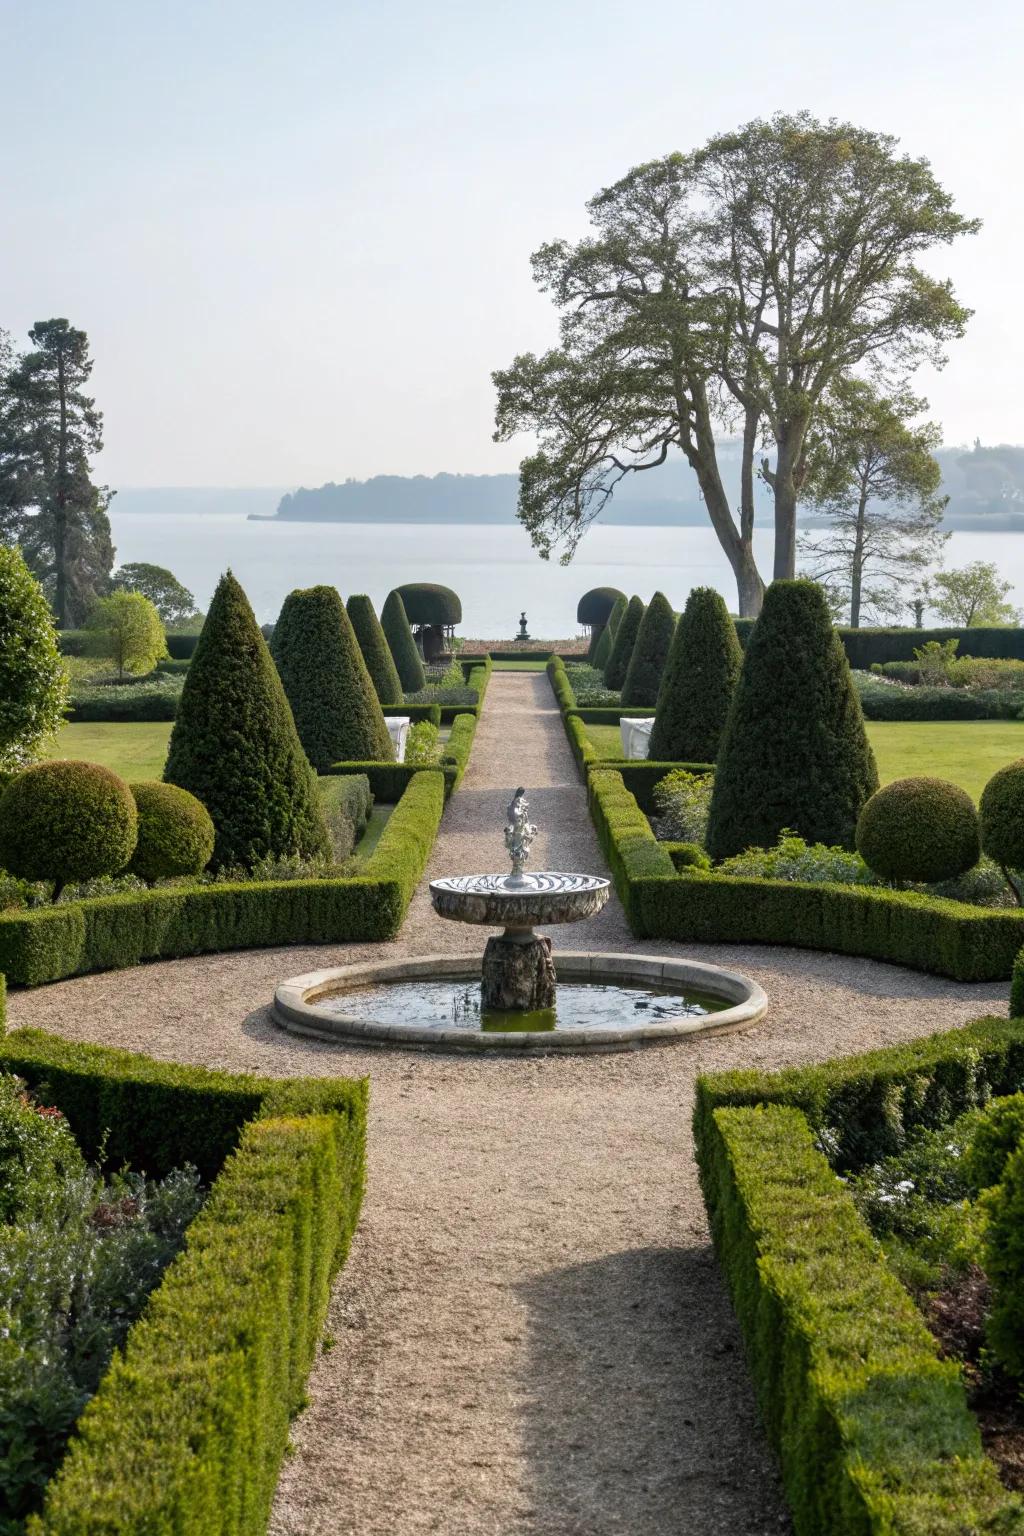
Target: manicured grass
[
  {"x": 379, "y": 818},
  {"x": 134, "y": 750},
  {"x": 607, "y": 740},
  {"x": 519, "y": 666},
  {"x": 967, "y": 751}
]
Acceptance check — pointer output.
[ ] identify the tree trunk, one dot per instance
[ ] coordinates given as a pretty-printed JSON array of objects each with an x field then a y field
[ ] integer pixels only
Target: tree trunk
[
  {"x": 784, "y": 486},
  {"x": 737, "y": 543},
  {"x": 60, "y": 503},
  {"x": 857, "y": 564}
]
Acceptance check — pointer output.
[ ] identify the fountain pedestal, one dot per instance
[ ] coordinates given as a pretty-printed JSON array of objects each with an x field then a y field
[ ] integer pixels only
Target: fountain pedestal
[{"x": 518, "y": 972}]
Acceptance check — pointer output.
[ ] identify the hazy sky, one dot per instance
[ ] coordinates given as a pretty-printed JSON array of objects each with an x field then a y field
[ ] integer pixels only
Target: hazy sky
[{"x": 298, "y": 235}]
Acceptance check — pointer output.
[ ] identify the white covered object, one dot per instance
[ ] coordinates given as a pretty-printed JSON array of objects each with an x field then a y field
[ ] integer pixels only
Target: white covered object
[
  {"x": 636, "y": 736},
  {"x": 398, "y": 730}
]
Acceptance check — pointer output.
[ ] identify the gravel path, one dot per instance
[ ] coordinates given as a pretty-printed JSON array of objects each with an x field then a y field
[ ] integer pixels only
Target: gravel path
[{"x": 531, "y": 1337}]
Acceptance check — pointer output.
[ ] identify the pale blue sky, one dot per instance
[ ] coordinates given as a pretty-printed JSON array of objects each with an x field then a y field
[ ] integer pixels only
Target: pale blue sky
[{"x": 298, "y": 235}]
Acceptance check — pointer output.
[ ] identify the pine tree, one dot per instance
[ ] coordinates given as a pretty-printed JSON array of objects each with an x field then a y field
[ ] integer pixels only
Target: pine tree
[
  {"x": 622, "y": 645},
  {"x": 794, "y": 752},
  {"x": 235, "y": 747},
  {"x": 336, "y": 710},
  {"x": 650, "y": 653},
  {"x": 379, "y": 661},
  {"x": 398, "y": 633},
  {"x": 700, "y": 679}
]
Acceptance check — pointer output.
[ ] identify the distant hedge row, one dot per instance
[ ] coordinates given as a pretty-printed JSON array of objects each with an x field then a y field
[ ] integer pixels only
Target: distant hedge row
[{"x": 864, "y": 647}]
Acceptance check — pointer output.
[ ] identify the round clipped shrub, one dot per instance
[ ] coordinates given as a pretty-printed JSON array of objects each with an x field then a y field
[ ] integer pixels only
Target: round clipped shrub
[
  {"x": 379, "y": 661},
  {"x": 919, "y": 829},
  {"x": 176, "y": 832},
  {"x": 622, "y": 645},
  {"x": 66, "y": 821},
  {"x": 427, "y": 603},
  {"x": 394, "y": 621},
  {"x": 235, "y": 747},
  {"x": 650, "y": 653},
  {"x": 334, "y": 703},
  {"x": 595, "y": 606},
  {"x": 794, "y": 752},
  {"x": 1002, "y": 818},
  {"x": 700, "y": 679}
]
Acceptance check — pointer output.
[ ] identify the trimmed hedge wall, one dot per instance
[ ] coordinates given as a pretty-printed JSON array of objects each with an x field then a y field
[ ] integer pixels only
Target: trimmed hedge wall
[
  {"x": 940, "y": 704},
  {"x": 455, "y": 755},
  {"x": 866, "y": 646},
  {"x": 111, "y": 932},
  {"x": 213, "y": 1371},
  {"x": 415, "y": 712},
  {"x": 929, "y": 933},
  {"x": 872, "y": 1429}
]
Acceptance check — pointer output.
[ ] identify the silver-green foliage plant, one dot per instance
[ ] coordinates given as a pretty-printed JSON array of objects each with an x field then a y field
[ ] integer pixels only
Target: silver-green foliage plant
[
  {"x": 33, "y": 677},
  {"x": 794, "y": 859},
  {"x": 681, "y": 804},
  {"x": 423, "y": 745}
]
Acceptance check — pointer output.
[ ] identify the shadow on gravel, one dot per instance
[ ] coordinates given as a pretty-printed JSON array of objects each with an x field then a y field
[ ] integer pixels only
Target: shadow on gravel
[{"x": 638, "y": 1414}]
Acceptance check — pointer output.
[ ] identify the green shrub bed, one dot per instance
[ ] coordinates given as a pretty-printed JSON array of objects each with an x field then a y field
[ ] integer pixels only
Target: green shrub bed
[
  {"x": 110, "y": 932},
  {"x": 347, "y": 801},
  {"x": 872, "y": 1428},
  {"x": 866, "y": 647},
  {"x": 188, "y": 1427},
  {"x": 886, "y": 701},
  {"x": 155, "y": 698}
]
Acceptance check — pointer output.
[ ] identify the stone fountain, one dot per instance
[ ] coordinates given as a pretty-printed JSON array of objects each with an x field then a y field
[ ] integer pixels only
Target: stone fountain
[{"x": 518, "y": 970}]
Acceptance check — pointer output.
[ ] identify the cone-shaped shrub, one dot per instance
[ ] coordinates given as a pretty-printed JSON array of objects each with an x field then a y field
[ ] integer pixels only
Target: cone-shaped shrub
[
  {"x": 337, "y": 713},
  {"x": 379, "y": 661},
  {"x": 794, "y": 752},
  {"x": 650, "y": 653},
  {"x": 235, "y": 747},
  {"x": 596, "y": 635},
  {"x": 603, "y": 649},
  {"x": 699, "y": 682},
  {"x": 398, "y": 633},
  {"x": 623, "y": 643}
]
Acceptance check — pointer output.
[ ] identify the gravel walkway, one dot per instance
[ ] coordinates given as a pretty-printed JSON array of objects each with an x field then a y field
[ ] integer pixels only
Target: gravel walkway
[{"x": 531, "y": 1337}]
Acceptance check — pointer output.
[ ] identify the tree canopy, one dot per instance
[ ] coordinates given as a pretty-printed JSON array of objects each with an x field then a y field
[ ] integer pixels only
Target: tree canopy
[
  {"x": 126, "y": 628},
  {"x": 973, "y": 595},
  {"x": 730, "y": 288},
  {"x": 172, "y": 601},
  {"x": 33, "y": 677}
]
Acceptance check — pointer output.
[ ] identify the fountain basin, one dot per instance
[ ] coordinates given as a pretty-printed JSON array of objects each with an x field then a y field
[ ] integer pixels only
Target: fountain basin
[
  {"x": 508, "y": 901},
  {"x": 314, "y": 1004}
]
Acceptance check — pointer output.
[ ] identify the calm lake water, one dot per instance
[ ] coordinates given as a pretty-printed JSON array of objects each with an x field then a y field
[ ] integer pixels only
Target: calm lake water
[{"x": 493, "y": 568}]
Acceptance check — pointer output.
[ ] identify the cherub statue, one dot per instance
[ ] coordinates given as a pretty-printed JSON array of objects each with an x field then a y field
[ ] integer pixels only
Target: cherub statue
[{"x": 519, "y": 834}]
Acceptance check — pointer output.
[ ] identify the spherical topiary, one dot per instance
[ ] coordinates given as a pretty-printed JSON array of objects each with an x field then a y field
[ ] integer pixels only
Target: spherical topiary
[
  {"x": 176, "y": 832},
  {"x": 794, "y": 752},
  {"x": 622, "y": 645},
  {"x": 595, "y": 606},
  {"x": 427, "y": 603},
  {"x": 1002, "y": 817},
  {"x": 235, "y": 747},
  {"x": 336, "y": 709},
  {"x": 919, "y": 829},
  {"x": 66, "y": 821},
  {"x": 700, "y": 679},
  {"x": 394, "y": 621},
  {"x": 650, "y": 653},
  {"x": 379, "y": 661}
]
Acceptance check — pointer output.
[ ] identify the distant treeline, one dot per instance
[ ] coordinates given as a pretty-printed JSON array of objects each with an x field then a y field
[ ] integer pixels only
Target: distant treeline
[{"x": 985, "y": 488}]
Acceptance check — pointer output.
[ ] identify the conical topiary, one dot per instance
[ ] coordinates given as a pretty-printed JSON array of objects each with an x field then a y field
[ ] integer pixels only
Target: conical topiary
[
  {"x": 794, "y": 752},
  {"x": 235, "y": 747},
  {"x": 700, "y": 679},
  {"x": 603, "y": 650},
  {"x": 398, "y": 633},
  {"x": 337, "y": 713},
  {"x": 622, "y": 645},
  {"x": 616, "y": 616},
  {"x": 379, "y": 661},
  {"x": 596, "y": 636},
  {"x": 650, "y": 653}
]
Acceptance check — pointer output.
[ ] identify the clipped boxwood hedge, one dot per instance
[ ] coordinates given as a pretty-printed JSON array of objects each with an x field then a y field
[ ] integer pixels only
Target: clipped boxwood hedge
[
  {"x": 872, "y": 1428},
  {"x": 111, "y": 932},
  {"x": 190, "y": 1423},
  {"x": 865, "y": 647}
]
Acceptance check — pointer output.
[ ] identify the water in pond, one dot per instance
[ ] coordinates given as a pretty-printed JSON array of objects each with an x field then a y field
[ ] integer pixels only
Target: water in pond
[{"x": 455, "y": 1004}]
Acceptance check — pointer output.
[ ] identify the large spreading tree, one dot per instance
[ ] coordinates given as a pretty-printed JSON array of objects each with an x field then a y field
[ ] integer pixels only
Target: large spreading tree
[
  {"x": 49, "y": 431},
  {"x": 728, "y": 289},
  {"x": 172, "y": 600}
]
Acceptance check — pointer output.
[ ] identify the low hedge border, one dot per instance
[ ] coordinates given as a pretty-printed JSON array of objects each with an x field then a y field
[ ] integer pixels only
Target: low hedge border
[
  {"x": 457, "y": 748},
  {"x": 865, "y": 647},
  {"x": 111, "y": 932},
  {"x": 213, "y": 1371},
  {"x": 940, "y": 704},
  {"x": 415, "y": 712},
  {"x": 872, "y": 1429},
  {"x": 929, "y": 933},
  {"x": 389, "y": 781},
  {"x": 870, "y": 1103}
]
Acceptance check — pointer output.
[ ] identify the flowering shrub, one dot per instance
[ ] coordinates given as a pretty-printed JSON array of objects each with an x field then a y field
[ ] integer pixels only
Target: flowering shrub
[{"x": 681, "y": 803}]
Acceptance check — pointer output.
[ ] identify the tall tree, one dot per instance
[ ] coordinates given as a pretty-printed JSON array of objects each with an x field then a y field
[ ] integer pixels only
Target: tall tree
[
  {"x": 729, "y": 288},
  {"x": 973, "y": 595},
  {"x": 49, "y": 430},
  {"x": 172, "y": 600},
  {"x": 876, "y": 478}
]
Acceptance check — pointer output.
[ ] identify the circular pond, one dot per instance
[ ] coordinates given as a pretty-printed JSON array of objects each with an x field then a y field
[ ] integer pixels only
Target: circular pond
[{"x": 603, "y": 1002}]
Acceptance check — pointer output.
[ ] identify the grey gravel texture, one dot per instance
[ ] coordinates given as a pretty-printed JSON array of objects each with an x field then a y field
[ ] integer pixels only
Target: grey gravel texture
[{"x": 531, "y": 1337}]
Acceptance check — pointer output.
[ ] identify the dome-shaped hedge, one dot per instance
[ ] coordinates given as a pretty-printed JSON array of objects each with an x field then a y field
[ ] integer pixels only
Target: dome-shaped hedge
[
  {"x": 376, "y": 653},
  {"x": 595, "y": 606},
  {"x": 394, "y": 621},
  {"x": 1002, "y": 816},
  {"x": 66, "y": 821},
  {"x": 176, "y": 832},
  {"x": 427, "y": 603},
  {"x": 919, "y": 829}
]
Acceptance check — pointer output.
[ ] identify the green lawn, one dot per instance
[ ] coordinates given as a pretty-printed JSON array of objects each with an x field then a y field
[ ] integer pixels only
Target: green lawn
[
  {"x": 136, "y": 751},
  {"x": 519, "y": 666},
  {"x": 966, "y": 751},
  {"x": 379, "y": 818}
]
